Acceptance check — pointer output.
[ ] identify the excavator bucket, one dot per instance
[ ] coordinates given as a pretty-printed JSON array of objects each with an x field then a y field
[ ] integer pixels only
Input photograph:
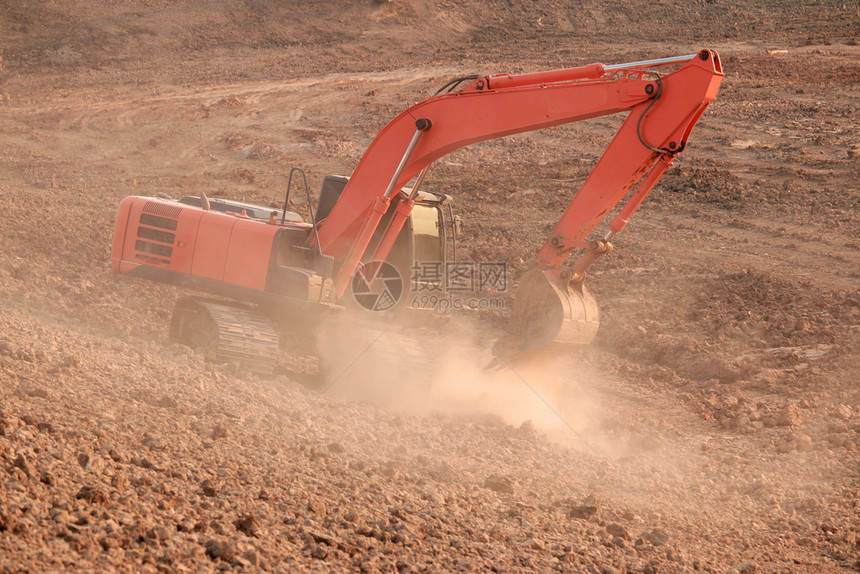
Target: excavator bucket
[{"x": 548, "y": 317}]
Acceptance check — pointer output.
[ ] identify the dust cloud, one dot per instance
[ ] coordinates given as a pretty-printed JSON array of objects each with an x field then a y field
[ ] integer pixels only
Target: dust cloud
[{"x": 424, "y": 371}]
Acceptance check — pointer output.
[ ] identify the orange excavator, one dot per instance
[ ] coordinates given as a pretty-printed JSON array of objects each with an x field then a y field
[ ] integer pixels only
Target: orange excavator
[{"x": 278, "y": 275}]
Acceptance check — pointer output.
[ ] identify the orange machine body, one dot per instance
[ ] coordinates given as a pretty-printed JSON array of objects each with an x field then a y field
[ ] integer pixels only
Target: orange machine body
[{"x": 183, "y": 242}]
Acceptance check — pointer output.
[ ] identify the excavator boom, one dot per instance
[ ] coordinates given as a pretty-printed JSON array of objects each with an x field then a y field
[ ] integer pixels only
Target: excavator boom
[{"x": 662, "y": 112}]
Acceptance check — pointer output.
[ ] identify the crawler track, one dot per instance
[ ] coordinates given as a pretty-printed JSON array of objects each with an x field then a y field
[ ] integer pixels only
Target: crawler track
[{"x": 226, "y": 332}]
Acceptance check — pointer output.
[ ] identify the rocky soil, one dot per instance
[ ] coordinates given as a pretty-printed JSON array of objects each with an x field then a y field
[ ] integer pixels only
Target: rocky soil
[{"x": 713, "y": 426}]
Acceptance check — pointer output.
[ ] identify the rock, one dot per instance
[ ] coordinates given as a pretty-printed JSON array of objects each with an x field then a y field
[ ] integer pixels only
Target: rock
[
  {"x": 83, "y": 459},
  {"x": 253, "y": 558},
  {"x": 336, "y": 448},
  {"x": 248, "y": 525},
  {"x": 221, "y": 549},
  {"x": 318, "y": 507},
  {"x": 142, "y": 481},
  {"x": 119, "y": 481},
  {"x": 68, "y": 363},
  {"x": 400, "y": 513},
  {"x": 108, "y": 542},
  {"x": 617, "y": 530},
  {"x": 839, "y": 440},
  {"x": 804, "y": 443},
  {"x": 746, "y": 568},
  {"x": 527, "y": 429},
  {"x": 159, "y": 534},
  {"x": 588, "y": 508},
  {"x": 789, "y": 416},
  {"x": 93, "y": 495},
  {"x": 8, "y": 521},
  {"x": 657, "y": 537},
  {"x": 21, "y": 462},
  {"x": 219, "y": 431},
  {"x": 208, "y": 488},
  {"x": 389, "y": 470},
  {"x": 499, "y": 483},
  {"x": 334, "y": 542},
  {"x": 166, "y": 402},
  {"x": 49, "y": 478},
  {"x": 434, "y": 497},
  {"x": 60, "y": 515},
  {"x": 28, "y": 419},
  {"x": 785, "y": 446},
  {"x": 844, "y": 412},
  {"x": 36, "y": 392}
]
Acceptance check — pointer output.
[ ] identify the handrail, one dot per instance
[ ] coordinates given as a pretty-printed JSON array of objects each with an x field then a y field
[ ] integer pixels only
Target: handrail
[{"x": 310, "y": 205}]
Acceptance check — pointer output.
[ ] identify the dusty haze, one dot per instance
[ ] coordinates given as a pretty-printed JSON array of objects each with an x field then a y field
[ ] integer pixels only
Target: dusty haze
[{"x": 713, "y": 425}]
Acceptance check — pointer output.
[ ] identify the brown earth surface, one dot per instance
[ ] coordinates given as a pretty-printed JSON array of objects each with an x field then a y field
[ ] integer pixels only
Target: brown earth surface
[{"x": 714, "y": 425}]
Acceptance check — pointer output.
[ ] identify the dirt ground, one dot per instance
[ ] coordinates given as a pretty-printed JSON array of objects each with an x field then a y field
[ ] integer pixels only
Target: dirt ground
[{"x": 714, "y": 424}]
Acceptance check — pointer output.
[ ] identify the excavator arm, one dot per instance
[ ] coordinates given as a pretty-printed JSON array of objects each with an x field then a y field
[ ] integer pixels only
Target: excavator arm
[{"x": 662, "y": 112}]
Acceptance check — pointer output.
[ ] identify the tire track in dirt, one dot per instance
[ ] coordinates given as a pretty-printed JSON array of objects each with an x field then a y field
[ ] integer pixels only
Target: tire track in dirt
[{"x": 252, "y": 92}]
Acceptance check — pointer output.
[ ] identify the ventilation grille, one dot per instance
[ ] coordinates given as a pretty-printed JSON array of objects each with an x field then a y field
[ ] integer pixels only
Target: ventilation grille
[
  {"x": 162, "y": 209},
  {"x": 155, "y": 234}
]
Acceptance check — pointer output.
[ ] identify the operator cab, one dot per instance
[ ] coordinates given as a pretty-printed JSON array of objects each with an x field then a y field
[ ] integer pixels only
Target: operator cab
[
  {"x": 419, "y": 253},
  {"x": 427, "y": 238}
]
